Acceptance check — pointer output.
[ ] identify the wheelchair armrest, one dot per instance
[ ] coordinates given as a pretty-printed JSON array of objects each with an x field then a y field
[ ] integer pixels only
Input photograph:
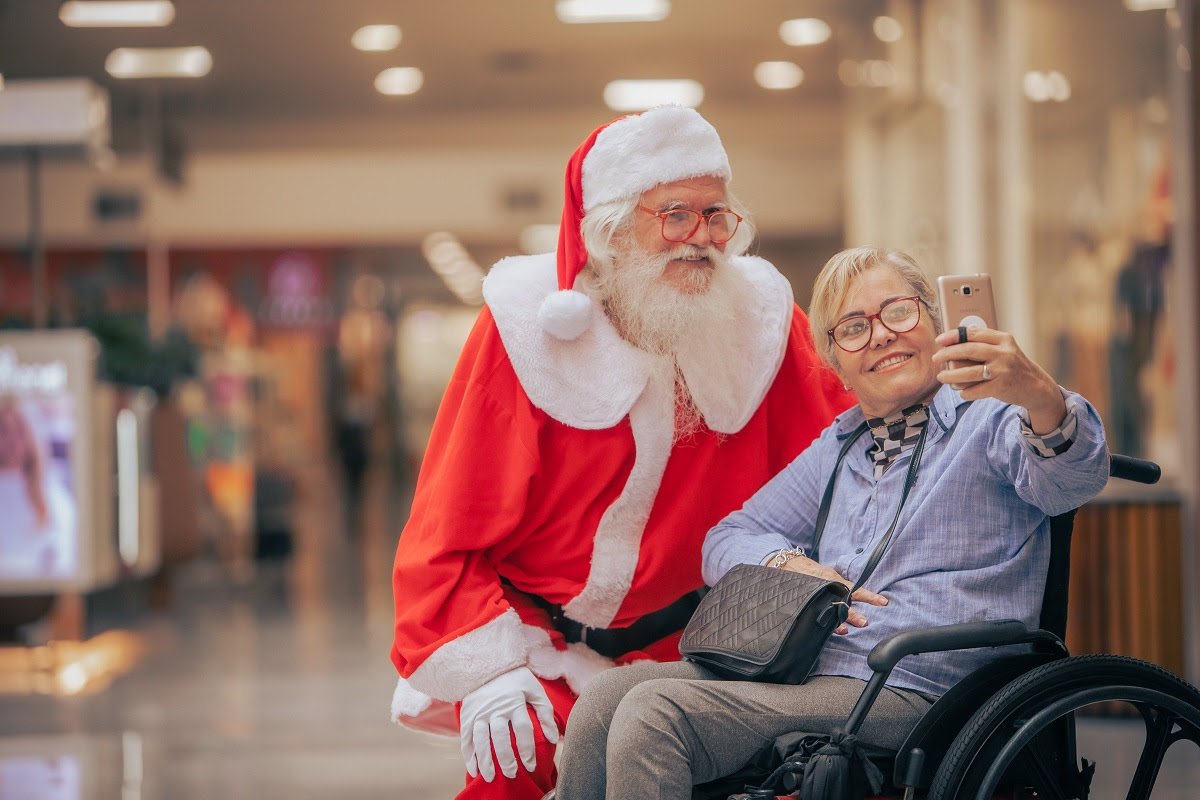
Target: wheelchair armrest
[{"x": 962, "y": 636}]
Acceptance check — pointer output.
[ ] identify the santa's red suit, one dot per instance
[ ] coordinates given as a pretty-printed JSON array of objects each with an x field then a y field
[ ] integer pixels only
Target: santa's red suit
[{"x": 553, "y": 493}]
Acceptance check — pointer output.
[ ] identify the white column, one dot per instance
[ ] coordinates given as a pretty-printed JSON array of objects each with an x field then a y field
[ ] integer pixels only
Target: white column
[
  {"x": 1014, "y": 248},
  {"x": 964, "y": 140},
  {"x": 862, "y": 226}
]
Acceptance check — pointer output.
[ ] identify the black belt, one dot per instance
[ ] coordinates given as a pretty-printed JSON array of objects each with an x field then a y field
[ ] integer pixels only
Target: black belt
[{"x": 613, "y": 642}]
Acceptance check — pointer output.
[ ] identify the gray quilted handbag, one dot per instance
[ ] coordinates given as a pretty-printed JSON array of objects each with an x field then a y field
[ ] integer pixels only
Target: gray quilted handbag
[
  {"x": 764, "y": 624},
  {"x": 768, "y": 624}
]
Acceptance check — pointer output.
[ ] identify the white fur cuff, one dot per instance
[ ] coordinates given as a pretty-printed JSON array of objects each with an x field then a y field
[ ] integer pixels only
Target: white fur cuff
[{"x": 464, "y": 664}]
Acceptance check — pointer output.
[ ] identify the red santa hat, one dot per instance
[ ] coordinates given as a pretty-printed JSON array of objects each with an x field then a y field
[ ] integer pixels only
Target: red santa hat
[{"x": 620, "y": 159}]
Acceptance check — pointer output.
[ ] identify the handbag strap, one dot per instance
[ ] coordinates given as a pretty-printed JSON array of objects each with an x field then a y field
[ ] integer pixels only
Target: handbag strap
[{"x": 826, "y": 500}]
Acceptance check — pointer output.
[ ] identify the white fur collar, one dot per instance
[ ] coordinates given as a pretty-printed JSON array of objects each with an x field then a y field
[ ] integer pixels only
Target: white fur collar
[{"x": 591, "y": 382}]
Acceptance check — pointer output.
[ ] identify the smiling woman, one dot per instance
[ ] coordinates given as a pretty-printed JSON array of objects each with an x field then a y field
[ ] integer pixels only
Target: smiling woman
[{"x": 1020, "y": 446}]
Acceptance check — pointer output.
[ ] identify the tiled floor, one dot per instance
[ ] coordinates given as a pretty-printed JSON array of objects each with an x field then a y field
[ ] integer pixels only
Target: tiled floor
[{"x": 279, "y": 689}]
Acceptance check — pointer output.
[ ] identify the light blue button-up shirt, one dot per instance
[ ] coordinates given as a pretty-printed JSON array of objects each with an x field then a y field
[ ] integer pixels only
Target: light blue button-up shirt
[{"x": 972, "y": 543}]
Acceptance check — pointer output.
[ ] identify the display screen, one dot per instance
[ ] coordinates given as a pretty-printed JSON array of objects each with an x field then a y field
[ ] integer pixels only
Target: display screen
[{"x": 39, "y": 530}]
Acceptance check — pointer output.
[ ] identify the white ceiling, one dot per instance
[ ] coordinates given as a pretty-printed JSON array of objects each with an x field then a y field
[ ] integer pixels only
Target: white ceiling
[
  {"x": 288, "y": 64},
  {"x": 284, "y": 73}
]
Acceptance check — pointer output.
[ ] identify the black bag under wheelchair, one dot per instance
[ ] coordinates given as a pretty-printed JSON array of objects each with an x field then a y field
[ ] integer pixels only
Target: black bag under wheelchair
[{"x": 1005, "y": 731}]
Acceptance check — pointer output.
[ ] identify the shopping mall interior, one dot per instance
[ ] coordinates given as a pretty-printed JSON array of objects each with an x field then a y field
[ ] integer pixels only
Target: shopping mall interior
[{"x": 242, "y": 244}]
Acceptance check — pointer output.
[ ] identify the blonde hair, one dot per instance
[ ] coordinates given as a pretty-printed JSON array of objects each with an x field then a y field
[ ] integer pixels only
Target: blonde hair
[{"x": 839, "y": 273}]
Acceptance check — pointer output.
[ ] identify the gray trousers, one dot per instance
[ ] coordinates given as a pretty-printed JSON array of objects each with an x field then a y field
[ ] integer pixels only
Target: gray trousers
[{"x": 651, "y": 731}]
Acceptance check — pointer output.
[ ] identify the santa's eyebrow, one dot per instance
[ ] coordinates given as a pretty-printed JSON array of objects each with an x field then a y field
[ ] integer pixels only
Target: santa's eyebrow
[{"x": 674, "y": 205}]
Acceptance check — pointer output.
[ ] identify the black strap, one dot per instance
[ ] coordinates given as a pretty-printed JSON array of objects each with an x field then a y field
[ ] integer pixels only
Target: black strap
[
  {"x": 613, "y": 642},
  {"x": 827, "y": 500}
]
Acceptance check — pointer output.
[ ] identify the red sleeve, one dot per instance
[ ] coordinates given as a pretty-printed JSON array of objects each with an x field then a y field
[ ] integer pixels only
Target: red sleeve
[{"x": 470, "y": 494}]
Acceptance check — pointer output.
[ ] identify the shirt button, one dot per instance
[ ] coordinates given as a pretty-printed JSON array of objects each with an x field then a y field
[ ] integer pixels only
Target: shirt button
[{"x": 859, "y": 550}]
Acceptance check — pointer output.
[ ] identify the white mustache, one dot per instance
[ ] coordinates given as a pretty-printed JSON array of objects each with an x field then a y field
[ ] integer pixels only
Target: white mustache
[{"x": 693, "y": 251}]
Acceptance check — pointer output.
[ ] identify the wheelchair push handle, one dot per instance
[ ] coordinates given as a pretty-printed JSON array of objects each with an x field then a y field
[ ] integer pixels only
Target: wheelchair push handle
[{"x": 1133, "y": 469}]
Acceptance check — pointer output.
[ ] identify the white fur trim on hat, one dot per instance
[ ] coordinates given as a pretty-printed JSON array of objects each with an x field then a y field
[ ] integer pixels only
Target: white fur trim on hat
[
  {"x": 639, "y": 152},
  {"x": 565, "y": 314}
]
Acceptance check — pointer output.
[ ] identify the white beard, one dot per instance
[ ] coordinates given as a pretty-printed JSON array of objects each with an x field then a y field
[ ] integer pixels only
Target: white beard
[{"x": 666, "y": 320}]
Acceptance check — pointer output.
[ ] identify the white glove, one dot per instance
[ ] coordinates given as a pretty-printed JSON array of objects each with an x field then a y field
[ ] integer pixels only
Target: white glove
[{"x": 489, "y": 711}]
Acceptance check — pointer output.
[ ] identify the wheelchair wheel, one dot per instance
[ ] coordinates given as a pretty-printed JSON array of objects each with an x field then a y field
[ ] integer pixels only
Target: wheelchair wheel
[{"x": 1025, "y": 735}]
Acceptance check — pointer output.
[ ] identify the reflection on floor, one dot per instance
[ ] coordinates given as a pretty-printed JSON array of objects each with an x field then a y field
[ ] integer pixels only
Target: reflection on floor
[{"x": 280, "y": 688}]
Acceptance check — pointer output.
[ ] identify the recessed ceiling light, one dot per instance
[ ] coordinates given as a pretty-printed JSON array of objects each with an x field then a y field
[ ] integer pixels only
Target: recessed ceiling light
[
  {"x": 639, "y": 95},
  {"x": 399, "y": 80},
  {"x": 376, "y": 38},
  {"x": 778, "y": 75},
  {"x": 158, "y": 62},
  {"x": 1149, "y": 5},
  {"x": 116, "y": 13},
  {"x": 805, "y": 32},
  {"x": 573, "y": 11},
  {"x": 887, "y": 29},
  {"x": 1042, "y": 87}
]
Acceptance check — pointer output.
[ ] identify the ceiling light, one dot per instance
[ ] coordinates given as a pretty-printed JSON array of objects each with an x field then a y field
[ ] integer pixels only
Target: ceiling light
[
  {"x": 633, "y": 95},
  {"x": 1042, "y": 87},
  {"x": 1149, "y": 5},
  {"x": 116, "y": 13},
  {"x": 158, "y": 62},
  {"x": 805, "y": 32},
  {"x": 399, "y": 80},
  {"x": 887, "y": 29},
  {"x": 850, "y": 72},
  {"x": 878, "y": 73},
  {"x": 778, "y": 75},
  {"x": 1058, "y": 87},
  {"x": 572, "y": 11},
  {"x": 376, "y": 38},
  {"x": 1035, "y": 87}
]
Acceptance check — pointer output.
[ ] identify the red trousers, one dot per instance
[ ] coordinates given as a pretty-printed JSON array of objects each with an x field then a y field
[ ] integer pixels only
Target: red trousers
[{"x": 528, "y": 785}]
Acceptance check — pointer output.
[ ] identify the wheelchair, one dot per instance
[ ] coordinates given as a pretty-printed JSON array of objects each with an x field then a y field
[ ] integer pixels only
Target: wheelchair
[{"x": 1007, "y": 730}]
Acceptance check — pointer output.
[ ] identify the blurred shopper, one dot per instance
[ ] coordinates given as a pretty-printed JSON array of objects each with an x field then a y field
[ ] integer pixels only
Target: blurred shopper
[
  {"x": 37, "y": 534},
  {"x": 614, "y": 401},
  {"x": 362, "y": 345}
]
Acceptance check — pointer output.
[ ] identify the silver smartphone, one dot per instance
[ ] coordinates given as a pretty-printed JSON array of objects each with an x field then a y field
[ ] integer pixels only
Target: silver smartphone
[{"x": 966, "y": 301}]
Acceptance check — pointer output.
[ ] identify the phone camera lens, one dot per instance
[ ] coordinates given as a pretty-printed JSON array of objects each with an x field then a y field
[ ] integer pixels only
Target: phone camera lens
[{"x": 966, "y": 289}]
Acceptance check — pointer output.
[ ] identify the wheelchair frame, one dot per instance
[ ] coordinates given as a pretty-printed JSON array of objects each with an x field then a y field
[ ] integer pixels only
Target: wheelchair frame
[{"x": 1010, "y": 725}]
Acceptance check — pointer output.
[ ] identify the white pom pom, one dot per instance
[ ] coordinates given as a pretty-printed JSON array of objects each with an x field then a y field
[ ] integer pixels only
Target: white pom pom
[{"x": 565, "y": 314}]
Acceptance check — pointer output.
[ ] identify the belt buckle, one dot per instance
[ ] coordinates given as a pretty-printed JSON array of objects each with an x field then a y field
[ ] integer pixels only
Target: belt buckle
[{"x": 583, "y": 633}]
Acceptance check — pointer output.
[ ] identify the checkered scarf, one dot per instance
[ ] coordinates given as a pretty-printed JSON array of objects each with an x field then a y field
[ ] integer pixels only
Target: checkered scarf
[{"x": 895, "y": 434}]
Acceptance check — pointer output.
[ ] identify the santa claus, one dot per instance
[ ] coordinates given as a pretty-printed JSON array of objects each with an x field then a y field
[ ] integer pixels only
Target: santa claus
[{"x": 615, "y": 400}]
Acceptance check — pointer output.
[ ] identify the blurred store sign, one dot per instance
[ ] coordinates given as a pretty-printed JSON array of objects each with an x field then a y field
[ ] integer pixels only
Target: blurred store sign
[
  {"x": 54, "y": 112},
  {"x": 295, "y": 294}
]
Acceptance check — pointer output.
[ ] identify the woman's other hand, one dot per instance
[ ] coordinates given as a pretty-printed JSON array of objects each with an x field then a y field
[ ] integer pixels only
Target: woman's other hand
[
  {"x": 807, "y": 566},
  {"x": 989, "y": 363}
]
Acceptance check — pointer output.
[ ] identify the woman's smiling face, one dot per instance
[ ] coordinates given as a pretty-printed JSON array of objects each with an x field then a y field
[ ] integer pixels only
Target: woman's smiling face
[{"x": 894, "y": 370}]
